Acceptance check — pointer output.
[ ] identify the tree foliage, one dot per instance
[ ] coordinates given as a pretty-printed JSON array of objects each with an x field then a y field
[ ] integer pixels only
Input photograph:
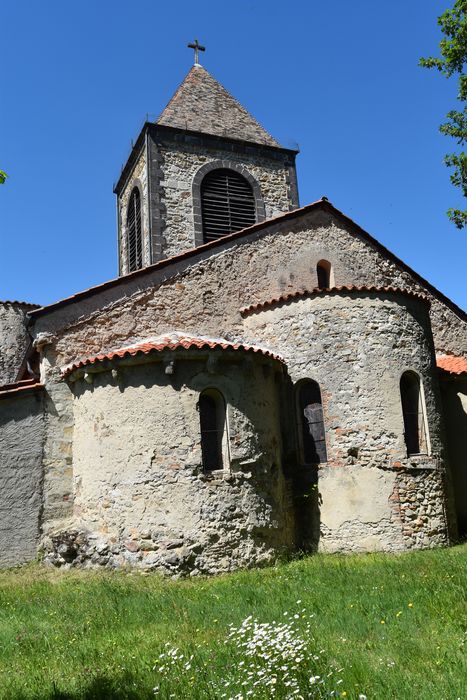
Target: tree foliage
[
  {"x": 453, "y": 49},
  {"x": 3, "y": 176}
]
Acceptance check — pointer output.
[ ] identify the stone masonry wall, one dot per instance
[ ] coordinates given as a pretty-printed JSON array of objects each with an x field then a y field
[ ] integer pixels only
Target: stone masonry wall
[
  {"x": 21, "y": 442},
  {"x": 356, "y": 346},
  {"x": 141, "y": 496},
  {"x": 14, "y": 339}
]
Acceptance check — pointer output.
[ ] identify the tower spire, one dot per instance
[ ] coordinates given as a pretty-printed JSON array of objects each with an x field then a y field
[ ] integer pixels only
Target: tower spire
[{"x": 197, "y": 47}]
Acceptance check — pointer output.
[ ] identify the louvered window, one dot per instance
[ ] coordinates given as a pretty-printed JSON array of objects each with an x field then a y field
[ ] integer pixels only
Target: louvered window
[
  {"x": 313, "y": 439},
  {"x": 412, "y": 411},
  {"x": 134, "y": 235},
  {"x": 227, "y": 203}
]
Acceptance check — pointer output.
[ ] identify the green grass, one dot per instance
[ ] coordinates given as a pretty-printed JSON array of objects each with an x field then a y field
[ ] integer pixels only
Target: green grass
[{"x": 98, "y": 635}]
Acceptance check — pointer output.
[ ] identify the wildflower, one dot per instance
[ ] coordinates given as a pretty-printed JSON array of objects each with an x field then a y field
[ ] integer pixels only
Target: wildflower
[
  {"x": 383, "y": 622},
  {"x": 410, "y": 605},
  {"x": 398, "y": 614}
]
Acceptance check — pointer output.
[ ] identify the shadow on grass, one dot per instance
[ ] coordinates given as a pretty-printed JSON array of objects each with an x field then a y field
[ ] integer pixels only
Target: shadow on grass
[{"x": 104, "y": 688}]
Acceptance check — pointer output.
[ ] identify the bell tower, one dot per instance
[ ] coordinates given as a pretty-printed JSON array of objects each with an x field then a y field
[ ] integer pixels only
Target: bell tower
[{"x": 203, "y": 169}]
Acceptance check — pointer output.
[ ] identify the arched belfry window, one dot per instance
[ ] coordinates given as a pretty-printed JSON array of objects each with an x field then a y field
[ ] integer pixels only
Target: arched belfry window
[
  {"x": 413, "y": 413},
  {"x": 133, "y": 232},
  {"x": 213, "y": 429},
  {"x": 311, "y": 422},
  {"x": 227, "y": 203},
  {"x": 324, "y": 274}
]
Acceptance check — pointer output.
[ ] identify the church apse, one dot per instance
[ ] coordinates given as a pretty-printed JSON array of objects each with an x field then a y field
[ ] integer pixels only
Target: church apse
[
  {"x": 376, "y": 490},
  {"x": 205, "y": 496}
]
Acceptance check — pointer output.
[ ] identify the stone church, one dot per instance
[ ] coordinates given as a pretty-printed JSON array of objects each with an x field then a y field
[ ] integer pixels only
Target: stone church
[{"x": 261, "y": 378}]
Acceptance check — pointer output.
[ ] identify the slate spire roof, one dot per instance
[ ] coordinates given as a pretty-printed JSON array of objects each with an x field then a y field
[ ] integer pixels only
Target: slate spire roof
[{"x": 202, "y": 104}]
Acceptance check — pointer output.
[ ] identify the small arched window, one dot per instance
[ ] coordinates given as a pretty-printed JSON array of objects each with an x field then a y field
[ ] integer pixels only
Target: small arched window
[
  {"x": 311, "y": 422},
  {"x": 133, "y": 232},
  {"x": 212, "y": 423},
  {"x": 227, "y": 203},
  {"x": 412, "y": 411},
  {"x": 324, "y": 274}
]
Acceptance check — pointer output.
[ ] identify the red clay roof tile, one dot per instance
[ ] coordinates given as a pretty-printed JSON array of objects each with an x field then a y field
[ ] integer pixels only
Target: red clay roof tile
[
  {"x": 23, "y": 385},
  {"x": 332, "y": 290},
  {"x": 452, "y": 364},
  {"x": 172, "y": 341},
  {"x": 20, "y": 303}
]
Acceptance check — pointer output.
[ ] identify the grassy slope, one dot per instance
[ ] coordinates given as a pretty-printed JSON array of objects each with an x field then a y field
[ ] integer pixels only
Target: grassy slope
[{"x": 85, "y": 634}]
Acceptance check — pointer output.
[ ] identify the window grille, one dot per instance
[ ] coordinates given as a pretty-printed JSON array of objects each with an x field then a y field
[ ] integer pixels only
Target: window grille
[
  {"x": 311, "y": 422},
  {"x": 227, "y": 203},
  {"x": 212, "y": 423},
  {"x": 412, "y": 411},
  {"x": 133, "y": 228}
]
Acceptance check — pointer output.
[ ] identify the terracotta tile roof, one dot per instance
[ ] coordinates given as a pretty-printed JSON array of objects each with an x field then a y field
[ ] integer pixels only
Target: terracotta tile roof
[
  {"x": 20, "y": 303},
  {"x": 172, "y": 341},
  {"x": 203, "y": 105},
  {"x": 452, "y": 364},
  {"x": 253, "y": 308},
  {"x": 322, "y": 203},
  {"x": 16, "y": 387}
]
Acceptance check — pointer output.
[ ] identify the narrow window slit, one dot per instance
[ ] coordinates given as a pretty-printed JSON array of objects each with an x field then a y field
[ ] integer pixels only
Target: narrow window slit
[
  {"x": 324, "y": 274},
  {"x": 212, "y": 424},
  {"x": 413, "y": 414},
  {"x": 311, "y": 423}
]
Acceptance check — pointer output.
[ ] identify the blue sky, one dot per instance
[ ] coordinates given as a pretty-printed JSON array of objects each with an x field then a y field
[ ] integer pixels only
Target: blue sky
[{"x": 339, "y": 78}]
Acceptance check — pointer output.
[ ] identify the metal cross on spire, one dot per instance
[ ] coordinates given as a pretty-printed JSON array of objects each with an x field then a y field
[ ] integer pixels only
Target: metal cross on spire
[{"x": 197, "y": 47}]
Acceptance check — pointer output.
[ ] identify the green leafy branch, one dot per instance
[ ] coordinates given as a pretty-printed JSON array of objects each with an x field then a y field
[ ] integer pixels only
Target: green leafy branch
[{"x": 453, "y": 49}]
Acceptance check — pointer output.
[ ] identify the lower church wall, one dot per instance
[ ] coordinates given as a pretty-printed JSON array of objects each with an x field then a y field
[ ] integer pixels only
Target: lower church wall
[
  {"x": 21, "y": 444},
  {"x": 366, "y": 509},
  {"x": 141, "y": 497}
]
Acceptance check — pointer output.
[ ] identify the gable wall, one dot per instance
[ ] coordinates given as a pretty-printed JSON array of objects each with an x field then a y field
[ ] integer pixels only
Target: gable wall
[{"x": 203, "y": 294}]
